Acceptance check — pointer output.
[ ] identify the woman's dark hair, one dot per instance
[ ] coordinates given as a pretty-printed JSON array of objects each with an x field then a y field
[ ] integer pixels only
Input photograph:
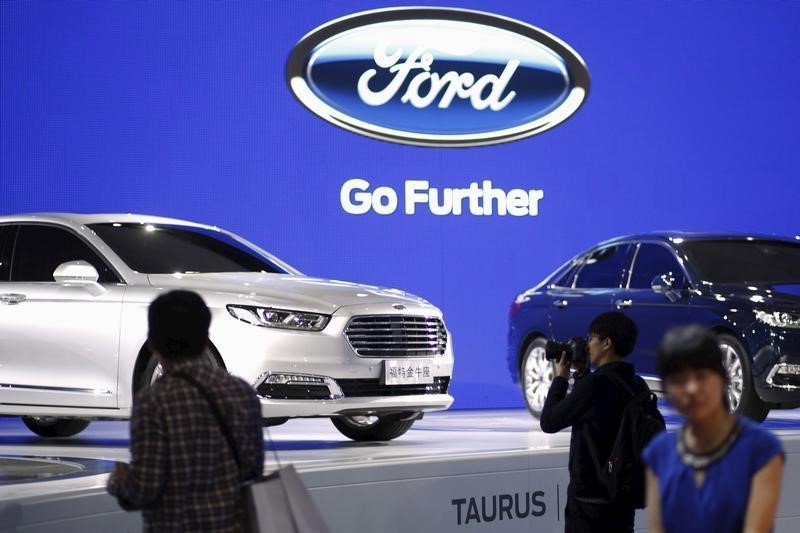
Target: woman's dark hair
[
  {"x": 689, "y": 348},
  {"x": 178, "y": 322},
  {"x": 619, "y": 328}
]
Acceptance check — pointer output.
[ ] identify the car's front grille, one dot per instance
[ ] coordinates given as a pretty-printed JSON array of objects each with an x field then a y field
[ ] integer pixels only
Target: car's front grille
[
  {"x": 397, "y": 336},
  {"x": 373, "y": 387}
]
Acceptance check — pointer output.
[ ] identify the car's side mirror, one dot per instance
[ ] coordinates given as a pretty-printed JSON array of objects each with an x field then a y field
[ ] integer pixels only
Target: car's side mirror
[
  {"x": 665, "y": 284},
  {"x": 76, "y": 272}
]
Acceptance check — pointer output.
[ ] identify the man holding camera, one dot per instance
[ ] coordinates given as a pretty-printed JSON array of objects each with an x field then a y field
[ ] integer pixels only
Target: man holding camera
[{"x": 594, "y": 411}]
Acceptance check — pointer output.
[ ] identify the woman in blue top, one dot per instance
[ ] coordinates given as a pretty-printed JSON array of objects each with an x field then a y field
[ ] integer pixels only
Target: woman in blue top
[{"x": 718, "y": 473}]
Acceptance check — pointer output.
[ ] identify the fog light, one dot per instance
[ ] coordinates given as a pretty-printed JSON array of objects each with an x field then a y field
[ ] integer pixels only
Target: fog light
[
  {"x": 784, "y": 368},
  {"x": 292, "y": 378},
  {"x": 279, "y": 386},
  {"x": 784, "y": 376}
]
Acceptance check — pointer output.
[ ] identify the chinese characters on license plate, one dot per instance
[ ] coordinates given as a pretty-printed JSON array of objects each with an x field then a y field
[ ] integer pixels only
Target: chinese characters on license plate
[{"x": 407, "y": 372}]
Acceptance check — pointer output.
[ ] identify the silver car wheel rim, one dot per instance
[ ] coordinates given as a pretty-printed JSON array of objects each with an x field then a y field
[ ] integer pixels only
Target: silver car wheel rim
[
  {"x": 537, "y": 377},
  {"x": 361, "y": 421},
  {"x": 734, "y": 367},
  {"x": 158, "y": 371}
]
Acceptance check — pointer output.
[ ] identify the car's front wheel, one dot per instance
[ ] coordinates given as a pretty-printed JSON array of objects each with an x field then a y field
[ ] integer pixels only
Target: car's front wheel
[
  {"x": 153, "y": 369},
  {"x": 373, "y": 428},
  {"x": 50, "y": 426},
  {"x": 742, "y": 397},
  {"x": 536, "y": 375}
]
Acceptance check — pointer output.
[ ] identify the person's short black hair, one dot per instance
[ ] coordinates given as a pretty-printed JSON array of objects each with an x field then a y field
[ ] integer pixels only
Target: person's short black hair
[
  {"x": 178, "y": 322},
  {"x": 619, "y": 328},
  {"x": 689, "y": 348}
]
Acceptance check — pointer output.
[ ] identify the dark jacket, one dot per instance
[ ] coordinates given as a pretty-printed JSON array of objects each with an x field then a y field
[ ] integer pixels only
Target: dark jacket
[{"x": 594, "y": 410}]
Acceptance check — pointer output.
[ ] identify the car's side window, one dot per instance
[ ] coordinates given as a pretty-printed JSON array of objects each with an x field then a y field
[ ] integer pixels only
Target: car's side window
[
  {"x": 7, "y": 234},
  {"x": 40, "y": 249},
  {"x": 653, "y": 260},
  {"x": 566, "y": 279},
  {"x": 604, "y": 268}
]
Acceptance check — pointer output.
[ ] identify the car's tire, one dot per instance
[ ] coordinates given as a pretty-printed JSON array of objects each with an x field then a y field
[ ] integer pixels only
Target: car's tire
[
  {"x": 742, "y": 396},
  {"x": 373, "y": 428},
  {"x": 153, "y": 370},
  {"x": 536, "y": 376},
  {"x": 50, "y": 427}
]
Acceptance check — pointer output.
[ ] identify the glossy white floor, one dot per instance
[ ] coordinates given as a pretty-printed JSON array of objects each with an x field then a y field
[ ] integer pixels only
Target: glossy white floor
[{"x": 489, "y": 470}]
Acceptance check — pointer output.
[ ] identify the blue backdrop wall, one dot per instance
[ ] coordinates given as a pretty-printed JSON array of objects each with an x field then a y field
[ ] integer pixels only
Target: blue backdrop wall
[{"x": 183, "y": 110}]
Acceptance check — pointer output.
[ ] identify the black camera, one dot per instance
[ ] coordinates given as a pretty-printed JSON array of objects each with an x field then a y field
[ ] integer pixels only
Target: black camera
[{"x": 575, "y": 348}]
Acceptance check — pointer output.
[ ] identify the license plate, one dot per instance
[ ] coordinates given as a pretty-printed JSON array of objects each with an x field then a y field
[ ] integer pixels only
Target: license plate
[{"x": 407, "y": 372}]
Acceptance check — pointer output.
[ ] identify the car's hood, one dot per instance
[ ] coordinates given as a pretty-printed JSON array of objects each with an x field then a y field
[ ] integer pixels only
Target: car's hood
[
  {"x": 283, "y": 290},
  {"x": 780, "y": 295}
]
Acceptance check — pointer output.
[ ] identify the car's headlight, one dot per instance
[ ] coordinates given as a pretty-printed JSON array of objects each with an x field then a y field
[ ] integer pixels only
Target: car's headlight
[
  {"x": 279, "y": 318},
  {"x": 779, "y": 319}
]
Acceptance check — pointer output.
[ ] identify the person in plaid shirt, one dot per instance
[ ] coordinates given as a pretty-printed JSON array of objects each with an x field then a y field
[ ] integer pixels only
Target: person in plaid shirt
[{"x": 183, "y": 474}]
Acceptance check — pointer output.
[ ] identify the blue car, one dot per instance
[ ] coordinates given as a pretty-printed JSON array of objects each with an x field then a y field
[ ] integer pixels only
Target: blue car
[{"x": 745, "y": 288}]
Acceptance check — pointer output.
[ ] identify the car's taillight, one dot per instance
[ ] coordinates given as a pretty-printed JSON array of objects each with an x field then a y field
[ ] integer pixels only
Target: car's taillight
[{"x": 515, "y": 305}]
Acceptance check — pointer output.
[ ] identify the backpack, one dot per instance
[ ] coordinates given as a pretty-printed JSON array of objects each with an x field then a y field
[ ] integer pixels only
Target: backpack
[{"x": 622, "y": 474}]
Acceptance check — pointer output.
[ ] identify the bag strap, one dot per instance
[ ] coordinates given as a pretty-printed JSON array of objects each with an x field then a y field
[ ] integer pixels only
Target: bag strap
[
  {"x": 648, "y": 404},
  {"x": 216, "y": 412},
  {"x": 620, "y": 383},
  {"x": 221, "y": 419}
]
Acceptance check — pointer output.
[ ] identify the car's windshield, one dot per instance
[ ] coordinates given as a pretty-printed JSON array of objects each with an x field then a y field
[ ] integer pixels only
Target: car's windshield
[
  {"x": 744, "y": 261},
  {"x": 168, "y": 249}
]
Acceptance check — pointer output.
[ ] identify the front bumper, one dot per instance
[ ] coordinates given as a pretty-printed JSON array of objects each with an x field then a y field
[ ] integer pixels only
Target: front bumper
[
  {"x": 308, "y": 374},
  {"x": 354, "y": 406}
]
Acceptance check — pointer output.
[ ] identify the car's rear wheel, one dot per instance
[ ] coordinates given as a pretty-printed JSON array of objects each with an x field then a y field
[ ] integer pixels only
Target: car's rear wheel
[
  {"x": 373, "y": 428},
  {"x": 742, "y": 397},
  {"x": 536, "y": 375},
  {"x": 50, "y": 426}
]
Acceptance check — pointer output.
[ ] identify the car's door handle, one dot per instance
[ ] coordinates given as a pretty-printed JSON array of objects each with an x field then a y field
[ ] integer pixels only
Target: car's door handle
[
  {"x": 560, "y": 303},
  {"x": 11, "y": 298},
  {"x": 623, "y": 303}
]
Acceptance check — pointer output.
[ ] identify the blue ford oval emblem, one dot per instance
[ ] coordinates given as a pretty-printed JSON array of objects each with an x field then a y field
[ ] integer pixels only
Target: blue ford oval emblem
[{"x": 437, "y": 77}]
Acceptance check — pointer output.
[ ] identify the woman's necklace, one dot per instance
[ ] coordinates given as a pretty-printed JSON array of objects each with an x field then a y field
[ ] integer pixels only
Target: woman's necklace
[{"x": 701, "y": 461}]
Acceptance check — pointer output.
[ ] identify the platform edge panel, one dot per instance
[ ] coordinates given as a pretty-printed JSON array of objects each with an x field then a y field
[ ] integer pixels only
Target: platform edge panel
[
  {"x": 507, "y": 461},
  {"x": 496, "y": 491},
  {"x": 90, "y": 510}
]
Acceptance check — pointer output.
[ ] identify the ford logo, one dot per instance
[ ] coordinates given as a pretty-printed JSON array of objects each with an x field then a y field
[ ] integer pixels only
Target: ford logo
[{"x": 437, "y": 77}]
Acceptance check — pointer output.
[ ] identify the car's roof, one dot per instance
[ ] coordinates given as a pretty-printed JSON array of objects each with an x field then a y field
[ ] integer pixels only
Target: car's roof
[
  {"x": 678, "y": 235},
  {"x": 98, "y": 218}
]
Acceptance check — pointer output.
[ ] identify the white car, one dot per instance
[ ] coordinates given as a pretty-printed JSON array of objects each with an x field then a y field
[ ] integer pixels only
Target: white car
[{"x": 74, "y": 293}]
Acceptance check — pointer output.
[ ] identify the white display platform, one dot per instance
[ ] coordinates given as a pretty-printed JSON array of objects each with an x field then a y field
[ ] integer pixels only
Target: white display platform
[{"x": 489, "y": 470}]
